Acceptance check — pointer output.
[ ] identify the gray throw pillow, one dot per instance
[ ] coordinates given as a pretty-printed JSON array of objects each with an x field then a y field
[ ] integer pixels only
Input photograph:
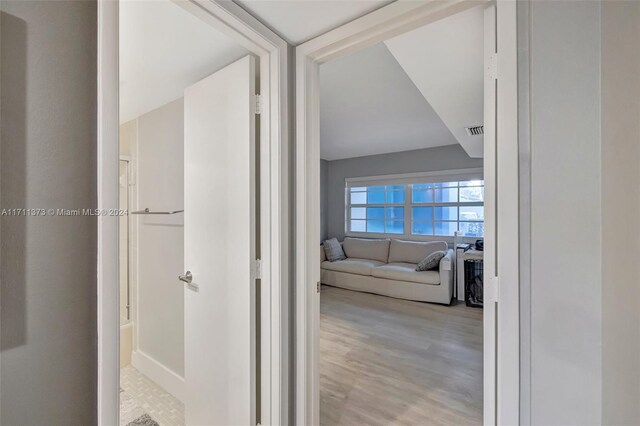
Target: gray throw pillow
[
  {"x": 431, "y": 262},
  {"x": 333, "y": 250}
]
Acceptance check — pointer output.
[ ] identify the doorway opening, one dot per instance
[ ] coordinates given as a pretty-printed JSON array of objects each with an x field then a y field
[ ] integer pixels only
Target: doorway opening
[
  {"x": 176, "y": 86},
  {"x": 402, "y": 191},
  {"x": 399, "y": 119},
  {"x": 199, "y": 88}
]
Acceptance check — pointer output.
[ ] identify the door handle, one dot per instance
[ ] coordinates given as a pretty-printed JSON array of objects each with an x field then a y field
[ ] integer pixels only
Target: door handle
[{"x": 187, "y": 277}]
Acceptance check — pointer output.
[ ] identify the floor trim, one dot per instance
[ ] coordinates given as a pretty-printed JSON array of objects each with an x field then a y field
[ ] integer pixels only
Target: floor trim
[{"x": 157, "y": 372}]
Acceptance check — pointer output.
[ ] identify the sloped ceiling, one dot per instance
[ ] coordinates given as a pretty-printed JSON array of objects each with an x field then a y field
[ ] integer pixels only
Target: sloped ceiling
[
  {"x": 420, "y": 90},
  {"x": 163, "y": 50},
  {"x": 368, "y": 105},
  {"x": 445, "y": 62},
  {"x": 300, "y": 20}
]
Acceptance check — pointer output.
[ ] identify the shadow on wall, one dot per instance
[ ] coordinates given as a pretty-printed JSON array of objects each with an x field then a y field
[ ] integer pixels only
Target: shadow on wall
[{"x": 13, "y": 179}]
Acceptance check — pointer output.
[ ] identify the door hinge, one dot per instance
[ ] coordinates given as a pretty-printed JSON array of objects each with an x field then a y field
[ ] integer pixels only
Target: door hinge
[
  {"x": 318, "y": 287},
  {"x": 257, "y": 104},
  {"x": 256, "y": 271},
  {"x": 491, "y": 290},
  {"x": 493, "y": 66}
]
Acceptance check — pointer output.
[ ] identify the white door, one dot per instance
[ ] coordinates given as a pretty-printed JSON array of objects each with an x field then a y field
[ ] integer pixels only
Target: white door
[
  {"x": 219, "y": 247},
  {"x": 490, "y": 216},
  {"x": 502, "y": 228}
]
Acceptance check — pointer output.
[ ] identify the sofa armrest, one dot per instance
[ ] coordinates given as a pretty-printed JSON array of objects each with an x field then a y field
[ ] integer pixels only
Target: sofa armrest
[
  {"x": 323, "y": 255},
  {"x": 446, "y": 263},
  {"x": 446, "y": 273}
]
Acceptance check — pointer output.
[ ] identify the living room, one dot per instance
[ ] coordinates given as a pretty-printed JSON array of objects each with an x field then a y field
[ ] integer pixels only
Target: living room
[{"x": 402, "y": 224}]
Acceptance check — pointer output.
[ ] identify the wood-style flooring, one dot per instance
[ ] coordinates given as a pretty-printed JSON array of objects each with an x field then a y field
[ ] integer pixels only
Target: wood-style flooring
[{"x": 386, "y": 361}]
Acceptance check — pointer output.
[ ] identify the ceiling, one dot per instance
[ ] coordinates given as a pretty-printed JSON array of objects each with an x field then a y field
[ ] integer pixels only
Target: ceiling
[
  {"x": 445, "y": 62},
  {"x": 300, "y": 20},
  {"x": 163, "y": 50},
  {"x": 417, "y": 90},
  {"x": 368, "y": 105}
]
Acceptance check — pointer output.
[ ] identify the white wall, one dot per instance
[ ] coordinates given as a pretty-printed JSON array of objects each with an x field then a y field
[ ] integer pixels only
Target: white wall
[
  {"x": 324, "y": 199},
  {"x": 620, "y": 212},
  {"x": 48, "y": 366},
  {"x": 566, "y": 284},
  {"x": 160, "y": 316}
]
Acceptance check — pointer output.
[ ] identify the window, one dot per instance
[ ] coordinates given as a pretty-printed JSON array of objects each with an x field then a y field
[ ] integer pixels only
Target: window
[
  {"x": 443, "y": 208},
  {"x": 418, "y": 209},
  {"x": 377, "y": 209}
]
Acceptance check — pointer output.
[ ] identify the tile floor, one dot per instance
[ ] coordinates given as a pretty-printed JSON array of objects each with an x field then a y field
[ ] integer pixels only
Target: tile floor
[{"x": 163, "y": 407}]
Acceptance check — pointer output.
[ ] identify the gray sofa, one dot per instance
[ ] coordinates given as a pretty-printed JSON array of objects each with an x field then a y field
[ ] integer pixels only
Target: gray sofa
[{"x": 387, "y": 267}]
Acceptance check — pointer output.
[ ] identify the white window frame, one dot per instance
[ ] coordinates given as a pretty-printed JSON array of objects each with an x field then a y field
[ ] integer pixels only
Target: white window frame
[
  {"x": 407, "y": 180},
  {"x": 383, "y": 205}
]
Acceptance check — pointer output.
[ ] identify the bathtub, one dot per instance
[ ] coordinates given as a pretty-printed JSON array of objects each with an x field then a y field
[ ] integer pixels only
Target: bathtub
[{"x": 126, "y": 344}]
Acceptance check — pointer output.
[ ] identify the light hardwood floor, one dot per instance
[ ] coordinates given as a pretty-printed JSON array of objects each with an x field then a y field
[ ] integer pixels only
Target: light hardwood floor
[{"x": 387, "y": 361}]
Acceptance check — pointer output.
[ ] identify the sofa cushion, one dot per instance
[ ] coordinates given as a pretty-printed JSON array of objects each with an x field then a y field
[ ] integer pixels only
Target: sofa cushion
[
  {"x": 361, "y": 248},
  {"x": 333, "y": 250},
  {"x": 401, "y": 271},
  {"x": 352, "y": 266},
  {"x": 413, "y": 251}
]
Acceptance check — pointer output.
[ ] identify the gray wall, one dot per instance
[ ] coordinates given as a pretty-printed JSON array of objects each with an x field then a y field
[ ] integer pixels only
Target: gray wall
[
  {"x": 422, "y": 160},
  {"x": 324, "y": 199},
  {"x": 566, "y": 290},
  {"x": 620, "y": 212},
  {"x": 48, "y": 160}
]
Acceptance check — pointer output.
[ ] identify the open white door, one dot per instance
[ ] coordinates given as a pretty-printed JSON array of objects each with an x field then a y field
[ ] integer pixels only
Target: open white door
[
  {"x": 501, "y": 204},
  {"x": 490, "y": 215},
  {"x": 219, "y": 247}
]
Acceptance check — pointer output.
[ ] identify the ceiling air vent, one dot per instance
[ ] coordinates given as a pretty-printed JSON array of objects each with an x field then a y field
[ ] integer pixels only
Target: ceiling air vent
[{"x": 474, "y": 131}]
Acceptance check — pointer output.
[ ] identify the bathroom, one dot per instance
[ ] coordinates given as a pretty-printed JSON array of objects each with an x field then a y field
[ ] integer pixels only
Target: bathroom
[
  {"x": 164, "y": 50},
  {"x": 151, "y": 255}
]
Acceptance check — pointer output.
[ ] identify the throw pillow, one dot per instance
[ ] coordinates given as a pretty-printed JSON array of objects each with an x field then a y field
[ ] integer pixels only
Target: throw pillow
[
  {"x": 333, "y": 250},
  {"x": 430, "y": 262}
]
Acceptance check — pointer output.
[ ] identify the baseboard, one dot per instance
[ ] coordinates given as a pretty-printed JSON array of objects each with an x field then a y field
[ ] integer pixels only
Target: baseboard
[
  {"x": 161, "y": 375},
  {"x": 126, "y": 344}
]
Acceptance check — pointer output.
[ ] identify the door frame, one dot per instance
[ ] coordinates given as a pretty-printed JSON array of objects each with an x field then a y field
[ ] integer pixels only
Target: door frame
[
  {"x": 501, "y": 404},
  {"x": 240, "y": 26}
]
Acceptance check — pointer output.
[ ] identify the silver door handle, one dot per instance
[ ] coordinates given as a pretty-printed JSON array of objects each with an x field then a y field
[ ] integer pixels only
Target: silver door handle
[{"x": 187, "y": 277}]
